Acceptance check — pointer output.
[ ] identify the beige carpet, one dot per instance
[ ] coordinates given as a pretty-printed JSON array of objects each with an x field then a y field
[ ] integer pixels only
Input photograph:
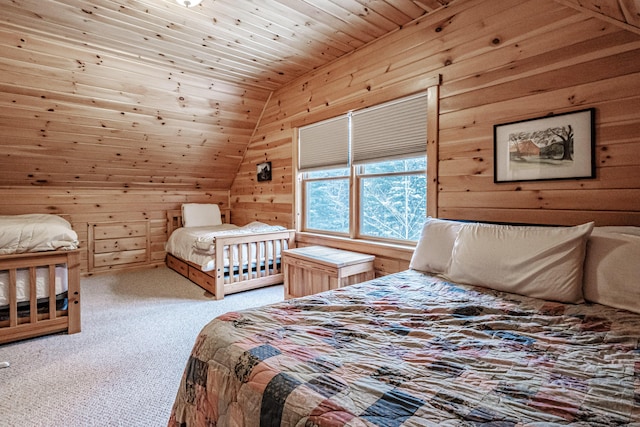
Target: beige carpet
[{"x": 125, "y": 366}]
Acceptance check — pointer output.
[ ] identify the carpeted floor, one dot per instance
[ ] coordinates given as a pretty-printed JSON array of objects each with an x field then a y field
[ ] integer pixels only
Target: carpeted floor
[{"x": 125, "y": 366}]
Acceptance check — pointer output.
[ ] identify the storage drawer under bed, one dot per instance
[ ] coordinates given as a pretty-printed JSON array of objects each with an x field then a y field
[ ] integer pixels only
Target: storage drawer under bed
[{"x": 177, "y": 265}]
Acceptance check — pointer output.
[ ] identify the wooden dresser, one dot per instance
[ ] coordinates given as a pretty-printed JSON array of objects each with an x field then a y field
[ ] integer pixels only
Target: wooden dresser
[{"x": 117, "y": 243}]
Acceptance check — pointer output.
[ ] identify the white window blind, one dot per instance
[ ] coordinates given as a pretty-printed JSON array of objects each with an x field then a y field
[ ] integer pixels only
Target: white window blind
[
  {"x": 324, "y": 144},
  {"x": 393, "y": 130}
]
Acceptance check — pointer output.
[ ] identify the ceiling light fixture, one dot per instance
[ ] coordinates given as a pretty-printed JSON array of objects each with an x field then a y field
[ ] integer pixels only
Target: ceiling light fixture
[{"x": 189, "y": 3}]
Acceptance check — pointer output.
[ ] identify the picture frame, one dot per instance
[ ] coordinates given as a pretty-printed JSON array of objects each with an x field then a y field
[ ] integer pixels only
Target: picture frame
[
  {"x": 558, "y": 146},
  {"x": 263, "y": 171}
]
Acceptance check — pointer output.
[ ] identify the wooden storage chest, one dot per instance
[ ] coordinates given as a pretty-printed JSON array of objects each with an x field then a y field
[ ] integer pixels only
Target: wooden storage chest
[{"x": 312, "y": 269}]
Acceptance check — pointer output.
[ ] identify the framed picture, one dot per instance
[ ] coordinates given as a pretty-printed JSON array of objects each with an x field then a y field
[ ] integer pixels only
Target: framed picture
[
  {"x": 560, "y": 146},
  {"x": 264, "y": 171}
]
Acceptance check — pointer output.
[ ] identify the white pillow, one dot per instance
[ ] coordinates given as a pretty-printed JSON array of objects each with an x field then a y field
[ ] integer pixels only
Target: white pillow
[
  {"x": 200, "y": 215},
  {"x": 612, "y": 267},
  {"x": 541, "y": 262},
  {"x": 433, "y": 251}
]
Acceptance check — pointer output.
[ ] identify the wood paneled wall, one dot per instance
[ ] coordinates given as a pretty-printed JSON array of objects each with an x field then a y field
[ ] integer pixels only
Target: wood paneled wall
[
  {"x": 86, "y": 116},
  {"x": 101, "y": 135},
  {"x": 92, "y": 132},
  {"x": 500, "y": 61},
  {"x": 86, "y": 206}
]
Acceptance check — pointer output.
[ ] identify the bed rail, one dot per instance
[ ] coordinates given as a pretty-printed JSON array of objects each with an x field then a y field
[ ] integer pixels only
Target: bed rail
[
  {"x": 259, "y": 255},
  {"x": 54, "y": 318}
]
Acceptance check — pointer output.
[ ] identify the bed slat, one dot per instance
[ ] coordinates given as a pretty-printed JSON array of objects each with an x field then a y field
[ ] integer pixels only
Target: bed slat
[
  {"x": 13, "y": 298},
  {"x": 33, "y": 296},
  {"x": 52, "y": 291}
]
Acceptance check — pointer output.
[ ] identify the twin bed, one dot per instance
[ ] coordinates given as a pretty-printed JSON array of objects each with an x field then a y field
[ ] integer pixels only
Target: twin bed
[
  {"x": 223, "y": 258},
  {"x": 39, "y": 277},
  {"x": 492, "y": 325}
]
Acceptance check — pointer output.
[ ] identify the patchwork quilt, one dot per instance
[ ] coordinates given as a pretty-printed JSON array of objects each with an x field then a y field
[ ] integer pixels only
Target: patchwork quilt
[{"x": 411, "y": 349}]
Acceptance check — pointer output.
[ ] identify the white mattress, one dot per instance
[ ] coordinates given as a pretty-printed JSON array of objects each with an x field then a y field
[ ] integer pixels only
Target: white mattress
[
  {"x": 35, "y": 233},
  {"x": 196, "y": 244},
  {"x": 42, "y": 283}
]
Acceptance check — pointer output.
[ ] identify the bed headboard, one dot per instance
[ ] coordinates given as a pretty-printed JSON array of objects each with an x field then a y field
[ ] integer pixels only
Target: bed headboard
[{"x": 174, "y": 219}]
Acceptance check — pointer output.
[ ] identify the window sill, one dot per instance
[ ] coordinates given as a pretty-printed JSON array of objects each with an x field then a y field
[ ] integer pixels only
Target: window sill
[{"x": 382, "y": 249}]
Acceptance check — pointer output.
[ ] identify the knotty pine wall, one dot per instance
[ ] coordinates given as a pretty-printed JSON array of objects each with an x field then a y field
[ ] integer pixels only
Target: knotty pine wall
[
  {"x": 100, "y": 136},
  {"x": 500, "y": 61},
  {"x": 108, "y": 206}
]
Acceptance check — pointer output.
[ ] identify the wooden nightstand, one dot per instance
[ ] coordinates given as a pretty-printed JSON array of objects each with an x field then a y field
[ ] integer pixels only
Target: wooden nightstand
[{"x": 312, "y": 269}]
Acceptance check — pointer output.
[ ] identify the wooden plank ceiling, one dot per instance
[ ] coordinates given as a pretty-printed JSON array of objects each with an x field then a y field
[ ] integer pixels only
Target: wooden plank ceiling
[
  {"x": 624, "y": 12},
  {"x": 148, "y": 93}
]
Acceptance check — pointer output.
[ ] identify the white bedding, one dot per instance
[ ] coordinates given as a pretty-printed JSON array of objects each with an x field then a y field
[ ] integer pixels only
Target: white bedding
[
  {"x": 196, "y": 244},
  {"x": 35, "y": 233},
  {"x": 22, "y": 282}
]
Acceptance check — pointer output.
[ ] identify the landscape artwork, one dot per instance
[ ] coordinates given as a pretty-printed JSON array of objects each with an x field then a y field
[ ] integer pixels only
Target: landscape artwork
[{"x": 558, "y": 146}]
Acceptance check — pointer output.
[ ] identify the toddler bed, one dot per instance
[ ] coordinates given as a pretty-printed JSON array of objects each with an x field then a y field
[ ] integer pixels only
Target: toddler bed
[
  {"x": 519, "y": 347},
  {"x": 39, "y": 277},
  {"x": 224, "y": 258}
]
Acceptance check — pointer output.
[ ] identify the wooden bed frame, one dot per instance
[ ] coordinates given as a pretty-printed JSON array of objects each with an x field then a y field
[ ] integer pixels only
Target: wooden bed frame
[
  {"x": 36, "y": 324},
  {"x": 219, "y": 281}
]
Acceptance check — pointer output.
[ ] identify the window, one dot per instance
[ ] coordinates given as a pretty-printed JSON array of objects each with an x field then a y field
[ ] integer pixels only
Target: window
[
  {"x": 363, "y": 175},
  {"x": 326, "y": 201},
  {"x": 393, "y": 199}
]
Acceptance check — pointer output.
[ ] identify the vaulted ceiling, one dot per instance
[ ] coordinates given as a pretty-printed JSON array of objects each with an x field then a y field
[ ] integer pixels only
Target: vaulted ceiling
[
  {"x": 623, "y": 12},
  {"x": 130, "y": 93},
  {"x": 255, "y": 44}
]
